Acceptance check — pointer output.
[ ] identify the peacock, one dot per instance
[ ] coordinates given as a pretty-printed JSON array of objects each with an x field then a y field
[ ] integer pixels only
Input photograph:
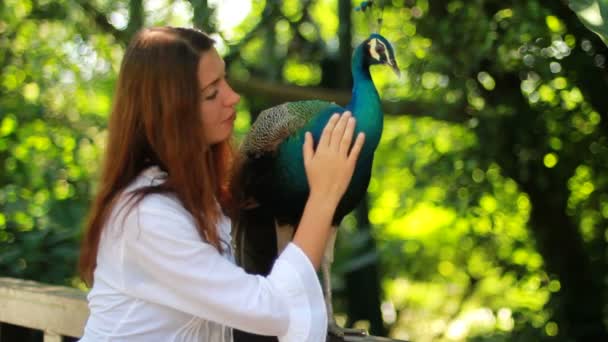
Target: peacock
[{"x": 272, "y": 179}]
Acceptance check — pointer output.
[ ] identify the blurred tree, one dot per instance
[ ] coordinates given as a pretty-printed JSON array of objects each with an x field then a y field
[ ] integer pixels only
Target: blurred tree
[{"x": 532, "y": 81}]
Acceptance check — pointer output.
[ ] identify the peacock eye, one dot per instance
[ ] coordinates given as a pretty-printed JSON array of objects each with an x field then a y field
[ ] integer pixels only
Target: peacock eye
[{"x": 380, "y": 49}]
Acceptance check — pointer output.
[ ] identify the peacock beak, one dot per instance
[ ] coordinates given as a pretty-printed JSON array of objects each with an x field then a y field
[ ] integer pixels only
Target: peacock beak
[{"x": 393, "y": 64}]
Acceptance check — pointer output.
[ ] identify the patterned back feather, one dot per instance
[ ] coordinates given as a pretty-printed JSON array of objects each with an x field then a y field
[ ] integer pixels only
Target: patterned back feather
[{"x": 275, "y": 124}]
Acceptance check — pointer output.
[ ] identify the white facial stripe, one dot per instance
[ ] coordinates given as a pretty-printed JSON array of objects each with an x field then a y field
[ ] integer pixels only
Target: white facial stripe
[
  {"x": 386, "y": 55},
  {"x": 372, "y": 49}
]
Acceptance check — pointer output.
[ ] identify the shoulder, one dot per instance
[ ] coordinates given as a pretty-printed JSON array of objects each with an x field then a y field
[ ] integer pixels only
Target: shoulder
[
  {"x": 165, "y": 204},
  {"x": 162, "y": 213},
  {"x": 157, "y": 216}
]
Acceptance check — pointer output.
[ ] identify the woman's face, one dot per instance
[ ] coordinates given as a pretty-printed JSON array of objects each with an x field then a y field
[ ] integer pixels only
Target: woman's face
[{"x": 218, "y": 100}]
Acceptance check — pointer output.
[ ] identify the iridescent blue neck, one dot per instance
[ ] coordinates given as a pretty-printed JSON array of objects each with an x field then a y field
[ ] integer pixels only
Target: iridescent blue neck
[{"x": 365, "y": 102}]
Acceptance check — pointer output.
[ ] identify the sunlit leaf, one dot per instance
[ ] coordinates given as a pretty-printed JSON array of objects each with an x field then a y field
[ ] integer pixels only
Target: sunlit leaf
[{"x": 594, "y": 14}]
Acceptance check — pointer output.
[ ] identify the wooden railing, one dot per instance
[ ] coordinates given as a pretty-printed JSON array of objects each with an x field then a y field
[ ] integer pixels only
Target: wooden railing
[
  {"x": 57, "y": 311},
  {"x": 60, "y": 311}
]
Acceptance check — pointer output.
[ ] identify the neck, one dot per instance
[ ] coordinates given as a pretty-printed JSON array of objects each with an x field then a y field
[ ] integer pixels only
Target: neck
[{"x": 365, "y": 103}]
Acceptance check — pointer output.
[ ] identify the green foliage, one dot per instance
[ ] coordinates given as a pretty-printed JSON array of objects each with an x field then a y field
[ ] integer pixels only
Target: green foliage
[
  {"x": 508, "y": 143},
  {"x": 51, "y": 116},
  {"x": 452, "y": 203},
  {"x": 452, "y": 237}
]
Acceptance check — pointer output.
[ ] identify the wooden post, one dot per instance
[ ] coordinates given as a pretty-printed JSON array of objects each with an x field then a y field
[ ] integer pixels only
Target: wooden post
[{"x": 52, "y": 337}]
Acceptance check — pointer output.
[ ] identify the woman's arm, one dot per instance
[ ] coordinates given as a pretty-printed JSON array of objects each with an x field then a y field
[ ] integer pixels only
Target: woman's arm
[
  {"x": 162, "y": 260},
  {"x": 329, "y": 170}
]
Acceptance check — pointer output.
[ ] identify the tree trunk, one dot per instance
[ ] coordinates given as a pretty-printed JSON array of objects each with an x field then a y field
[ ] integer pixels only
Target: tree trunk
[
  {"x": 202, "y": 16},
  {"x": 136, "y": 17},
  {"x": 579, "y": 303},
  {"x": 578, "y": 306}
]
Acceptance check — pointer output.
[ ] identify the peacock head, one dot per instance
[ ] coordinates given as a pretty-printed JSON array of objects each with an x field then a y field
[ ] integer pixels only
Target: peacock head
[{"x": 380, "y": 51}]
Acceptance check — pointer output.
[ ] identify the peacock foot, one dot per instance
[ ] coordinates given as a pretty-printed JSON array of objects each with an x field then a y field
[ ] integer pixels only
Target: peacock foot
[{"x": 344, "y": 333}]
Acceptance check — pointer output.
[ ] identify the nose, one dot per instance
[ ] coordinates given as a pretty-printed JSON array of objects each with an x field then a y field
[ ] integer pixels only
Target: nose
[{"x": 233, "y": 97}]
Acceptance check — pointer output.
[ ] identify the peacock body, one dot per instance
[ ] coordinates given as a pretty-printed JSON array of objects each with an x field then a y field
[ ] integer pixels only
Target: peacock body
[
  {"x": 274, "y": 166},
  {"x": 273, "y": 179}
]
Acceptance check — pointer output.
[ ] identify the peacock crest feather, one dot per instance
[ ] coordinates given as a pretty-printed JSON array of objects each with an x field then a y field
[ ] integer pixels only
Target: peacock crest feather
[{"x": 369, "y": 7}]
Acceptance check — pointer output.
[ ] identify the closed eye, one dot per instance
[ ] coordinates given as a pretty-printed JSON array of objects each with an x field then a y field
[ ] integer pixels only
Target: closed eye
[{"x": 212, "y": 96}]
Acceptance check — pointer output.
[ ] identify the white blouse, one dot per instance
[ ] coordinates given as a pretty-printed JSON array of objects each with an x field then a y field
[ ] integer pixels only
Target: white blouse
[{"x": 156, "y": 280}]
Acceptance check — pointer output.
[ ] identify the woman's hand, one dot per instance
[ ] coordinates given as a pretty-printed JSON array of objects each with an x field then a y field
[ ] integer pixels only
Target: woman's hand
[{"x": 330, "y": 168}]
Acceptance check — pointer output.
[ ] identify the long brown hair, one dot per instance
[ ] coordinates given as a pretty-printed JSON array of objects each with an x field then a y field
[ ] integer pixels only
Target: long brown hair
[{"x": 156, "y": 120}]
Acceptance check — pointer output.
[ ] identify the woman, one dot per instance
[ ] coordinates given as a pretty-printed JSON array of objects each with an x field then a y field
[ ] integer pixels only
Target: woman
[{"x": 157, "y": 248}]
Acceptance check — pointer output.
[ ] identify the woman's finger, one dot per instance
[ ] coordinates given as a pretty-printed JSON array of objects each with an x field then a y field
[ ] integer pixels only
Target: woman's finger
[
  {"x": 356, "y": 150},
  {"x": 329, "y": 128},
  {"x": 347, "y": 137},
  {"x": 338, "y": 132},
  {"x": 307, "y": 148}
]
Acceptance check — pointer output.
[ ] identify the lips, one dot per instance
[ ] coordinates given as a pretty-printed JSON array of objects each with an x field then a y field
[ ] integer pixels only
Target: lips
[{"x": 231, "y": 117}]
